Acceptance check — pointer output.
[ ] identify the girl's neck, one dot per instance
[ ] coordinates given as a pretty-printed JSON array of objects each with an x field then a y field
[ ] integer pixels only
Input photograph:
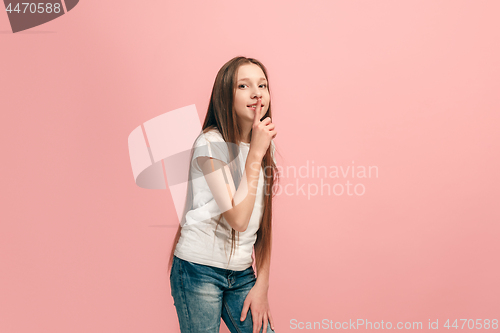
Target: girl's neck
[{"x": 246, "y": 128}]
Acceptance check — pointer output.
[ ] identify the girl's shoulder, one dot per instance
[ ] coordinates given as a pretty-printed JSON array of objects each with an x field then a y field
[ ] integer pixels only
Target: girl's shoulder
[
  {"x": 214, "y": 134},
  {"x": 211, "y": 135}
]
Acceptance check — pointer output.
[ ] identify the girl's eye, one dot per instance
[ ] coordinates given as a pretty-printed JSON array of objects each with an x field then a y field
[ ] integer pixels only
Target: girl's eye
[{"x": 242, "y": 85}]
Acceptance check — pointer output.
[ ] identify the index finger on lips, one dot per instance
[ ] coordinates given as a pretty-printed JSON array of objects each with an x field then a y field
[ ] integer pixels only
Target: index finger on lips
[{"x": 256, "y": 118}]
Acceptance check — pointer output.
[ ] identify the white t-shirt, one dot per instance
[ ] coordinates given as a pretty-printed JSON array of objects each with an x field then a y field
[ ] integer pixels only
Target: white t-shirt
[{"x": 199, "y": 241}]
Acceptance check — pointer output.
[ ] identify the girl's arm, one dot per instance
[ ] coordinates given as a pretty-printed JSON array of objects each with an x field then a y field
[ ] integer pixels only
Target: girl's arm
[
  {"x": 236, "y": 206},
  {"x": 257, "y": 301}
]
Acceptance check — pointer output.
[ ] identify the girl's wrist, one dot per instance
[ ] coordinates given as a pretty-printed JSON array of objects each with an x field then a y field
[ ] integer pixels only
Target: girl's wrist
[
  {"x": 254, "y": 155},
  {"x": 261, "y": 284}
]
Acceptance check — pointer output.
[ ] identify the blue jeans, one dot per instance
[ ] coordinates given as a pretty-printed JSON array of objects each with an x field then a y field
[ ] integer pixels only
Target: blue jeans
[{"x": 203, "y": 294}]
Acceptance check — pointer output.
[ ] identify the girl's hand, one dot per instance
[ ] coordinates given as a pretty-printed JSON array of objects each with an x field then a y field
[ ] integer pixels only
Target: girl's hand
[
  {"x": 256, "y": 300},
  {"x": 262, "y": 132}
]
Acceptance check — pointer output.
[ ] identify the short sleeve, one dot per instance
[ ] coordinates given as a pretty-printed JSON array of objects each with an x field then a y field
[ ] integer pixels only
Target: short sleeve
[{"x": 210, "y": 144}]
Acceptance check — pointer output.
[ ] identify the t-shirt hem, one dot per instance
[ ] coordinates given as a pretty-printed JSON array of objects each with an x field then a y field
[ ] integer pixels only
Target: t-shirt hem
[{"x": 213, "y": 263}]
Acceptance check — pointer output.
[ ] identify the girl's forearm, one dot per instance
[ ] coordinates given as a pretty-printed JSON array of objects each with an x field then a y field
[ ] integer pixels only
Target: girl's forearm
[{"x": 244, "y": 198}]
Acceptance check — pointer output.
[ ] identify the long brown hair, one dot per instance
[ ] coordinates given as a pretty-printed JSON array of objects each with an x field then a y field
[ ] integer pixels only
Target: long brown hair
[{"x": 222, "y": 116}]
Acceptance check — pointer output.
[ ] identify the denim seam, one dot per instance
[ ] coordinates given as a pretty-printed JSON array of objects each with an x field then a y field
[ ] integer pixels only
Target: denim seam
[
  {"x": 183, "y": 296},
  {"x": 231, "y": 317}
]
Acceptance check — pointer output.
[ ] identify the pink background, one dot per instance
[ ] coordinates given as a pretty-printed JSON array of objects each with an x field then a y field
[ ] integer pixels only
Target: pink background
[{"x": 411, "y": 87}]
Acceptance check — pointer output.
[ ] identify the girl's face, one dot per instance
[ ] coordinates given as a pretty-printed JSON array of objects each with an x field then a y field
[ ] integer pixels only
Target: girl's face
[{"x": 251, "y": 84}]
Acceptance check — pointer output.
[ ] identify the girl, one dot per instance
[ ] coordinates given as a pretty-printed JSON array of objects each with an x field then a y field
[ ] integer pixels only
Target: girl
[{"x": 229, "y": 201}]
